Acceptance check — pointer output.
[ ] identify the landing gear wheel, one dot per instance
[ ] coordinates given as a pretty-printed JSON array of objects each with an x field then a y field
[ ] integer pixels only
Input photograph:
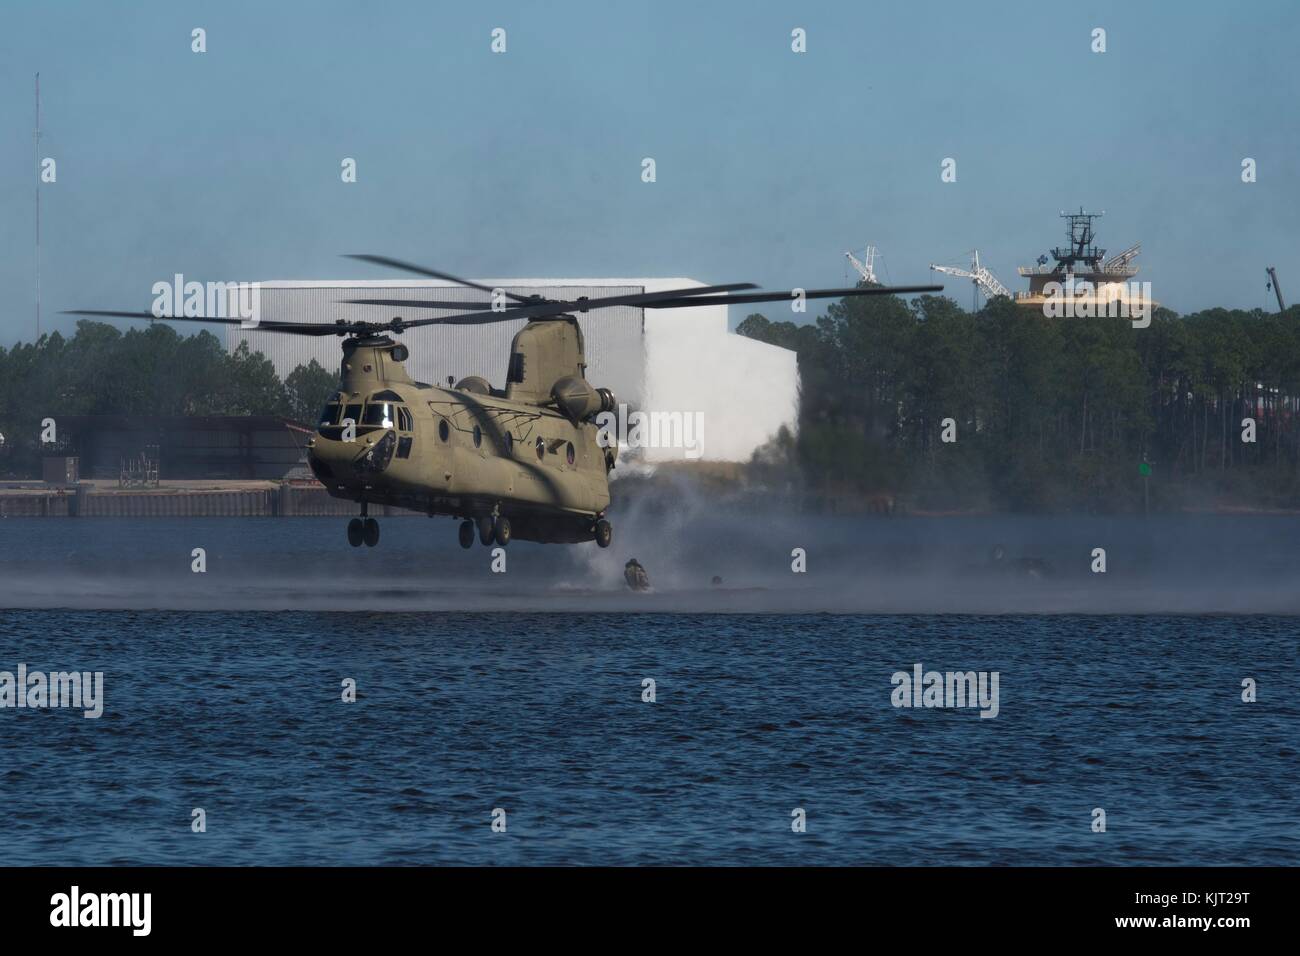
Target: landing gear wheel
[
  {"x": 355, "y": 532},
  {"x": 604, "y": 533},
  {"x": 370, "y": 532},
  {"x": 485, "y": 530},
  {"x": 502, "y": 530},
  {"x": 467, "y": 534}
]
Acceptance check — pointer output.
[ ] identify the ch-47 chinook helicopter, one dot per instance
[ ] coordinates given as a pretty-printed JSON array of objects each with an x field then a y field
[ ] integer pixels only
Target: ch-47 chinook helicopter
[{"x": 519, "y": 462}]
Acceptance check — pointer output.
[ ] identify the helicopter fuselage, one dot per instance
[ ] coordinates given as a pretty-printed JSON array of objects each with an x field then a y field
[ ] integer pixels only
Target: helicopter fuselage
[
  {"x": 463, "y": 452},
  {"x": 523, "y": 461}
]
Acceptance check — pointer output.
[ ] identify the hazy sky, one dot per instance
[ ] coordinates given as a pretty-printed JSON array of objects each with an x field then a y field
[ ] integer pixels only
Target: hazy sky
[{"x": 226, "y": 165}]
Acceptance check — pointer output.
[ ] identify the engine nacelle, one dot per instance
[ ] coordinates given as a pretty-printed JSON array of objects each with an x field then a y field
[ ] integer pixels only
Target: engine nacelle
[{"x": 576, "y": 398}]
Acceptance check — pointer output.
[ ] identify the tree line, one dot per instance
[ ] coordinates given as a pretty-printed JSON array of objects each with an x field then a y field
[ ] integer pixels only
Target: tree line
[
  {"x": 1047, "y": 413},
  {"x": 151, "y": 371}
]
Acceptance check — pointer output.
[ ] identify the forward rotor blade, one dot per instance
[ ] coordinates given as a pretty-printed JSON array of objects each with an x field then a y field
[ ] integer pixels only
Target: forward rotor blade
[
  {"x": 109, "y": 314},
  {"x": 289, "y": 328},
  {"x": 321, "y": 328},
  {"x": 422, "y": 271}
]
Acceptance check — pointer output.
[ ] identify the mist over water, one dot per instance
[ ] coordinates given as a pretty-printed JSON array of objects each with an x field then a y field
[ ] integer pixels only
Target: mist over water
[{"x": 1182, "y": 564}]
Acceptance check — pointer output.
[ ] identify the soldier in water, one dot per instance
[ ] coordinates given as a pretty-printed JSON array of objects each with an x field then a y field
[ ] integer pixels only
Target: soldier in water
[
  {"x": 1030, "y": 567},
  {"x": 635, "y": 576}
]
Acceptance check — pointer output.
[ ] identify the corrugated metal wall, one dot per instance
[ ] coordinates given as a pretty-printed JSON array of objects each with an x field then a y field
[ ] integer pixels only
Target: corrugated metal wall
[
  {"x": 614, "y": 337},
  {"x": 231, "y": 448}
]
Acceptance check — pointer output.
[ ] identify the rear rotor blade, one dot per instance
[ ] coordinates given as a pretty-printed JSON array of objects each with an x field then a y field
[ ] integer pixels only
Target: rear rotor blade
[
  {"x": 663, "y": 300},
  {"x": 420, "y": 304},
  {"x": 784, "y": 296},
  {"x": 422, "y": 271},
  {"x": 560, "y": 306}
]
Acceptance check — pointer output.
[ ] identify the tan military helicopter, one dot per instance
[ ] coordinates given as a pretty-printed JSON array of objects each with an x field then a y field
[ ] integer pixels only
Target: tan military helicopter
[{"x": 525, "y": 461}]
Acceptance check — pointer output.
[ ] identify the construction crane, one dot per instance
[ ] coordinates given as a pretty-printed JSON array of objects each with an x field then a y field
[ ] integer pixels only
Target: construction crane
[
  {"x": 983, "y": 280},
  {"x": 1121, "y": 262},
  {"x": 1277, "y": 289},
  {"x": 867, "y": 268}
]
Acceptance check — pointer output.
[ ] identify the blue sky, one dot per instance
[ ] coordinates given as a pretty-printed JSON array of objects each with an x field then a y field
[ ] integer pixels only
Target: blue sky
[{"x": 225, "y": 165}]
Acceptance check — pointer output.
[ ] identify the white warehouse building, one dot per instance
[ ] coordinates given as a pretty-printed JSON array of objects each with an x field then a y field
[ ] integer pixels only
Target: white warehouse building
[{"x": 655, "y": 360}]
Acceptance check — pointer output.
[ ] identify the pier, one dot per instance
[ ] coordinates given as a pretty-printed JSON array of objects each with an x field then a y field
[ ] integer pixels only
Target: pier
[{"x": 176, "y": 499}]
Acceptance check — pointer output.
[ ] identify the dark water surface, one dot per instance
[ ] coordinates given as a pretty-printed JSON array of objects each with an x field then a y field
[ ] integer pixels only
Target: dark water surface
[
  {"x": 463, "y": 709},
  {"x": 541, "y": 715}
]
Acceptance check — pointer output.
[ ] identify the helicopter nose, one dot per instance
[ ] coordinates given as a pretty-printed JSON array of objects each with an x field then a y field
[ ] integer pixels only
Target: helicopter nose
[
  {"x": 331, "y": 460},
  {"x": 326, "y": 461},
  {"x": 335, "y": 459}
]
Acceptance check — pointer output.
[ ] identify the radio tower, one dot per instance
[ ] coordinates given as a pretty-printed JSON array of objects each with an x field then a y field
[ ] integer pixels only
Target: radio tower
[{"x": 36, "y": 157}]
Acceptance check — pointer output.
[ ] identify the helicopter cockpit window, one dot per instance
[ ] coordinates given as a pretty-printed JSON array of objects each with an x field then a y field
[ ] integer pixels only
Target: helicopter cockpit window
[
  {"x": 404, "y": 423},
  {"x": 329, "y": 415},
  {"x": 379, "y": 413},
  {"x": 353, "y": 412}
]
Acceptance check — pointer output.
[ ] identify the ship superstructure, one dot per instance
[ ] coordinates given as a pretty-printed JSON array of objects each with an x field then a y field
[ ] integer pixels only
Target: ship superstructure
[{"x": 1081, "y": 280}]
